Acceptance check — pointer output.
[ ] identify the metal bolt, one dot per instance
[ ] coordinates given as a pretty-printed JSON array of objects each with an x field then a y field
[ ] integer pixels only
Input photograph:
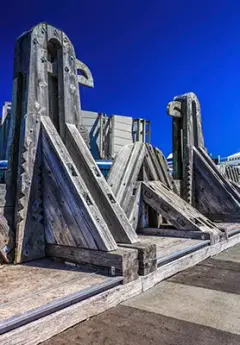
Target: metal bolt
[{"x": 66, "y": 69}]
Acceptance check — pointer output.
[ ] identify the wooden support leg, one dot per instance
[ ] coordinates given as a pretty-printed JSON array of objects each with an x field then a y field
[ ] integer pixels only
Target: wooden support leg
[{"x": 147, "y": 256}]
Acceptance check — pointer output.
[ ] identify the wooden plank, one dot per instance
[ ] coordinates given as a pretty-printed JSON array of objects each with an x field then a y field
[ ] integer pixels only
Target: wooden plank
[
  {"x": 134, "y": 206},
  {"x": 59, "y": 304},
  {"x": 131, "y": 175},
  {"x": 162, "y": 232},
  {"x": 84, "y": 208},
  {"x": 123, "y": 178},
  {"x": 170, "y": 205},
  {"x": 118, "y": 167},
  {"x": 214, "y": 194},
  {"x": 168, "y": 179},
  {"x": 99, "y": 189},
  {"x": 151, "y": 165},
  {"x": 29, "y": 226},
  {"x": 69, "y": 110},
  {"x": 187, "y": 261},
  {"x": 30, "y": 99},
  {"x": 147, "y": 257},
  {"x": 46, "y": 327},
  {"x": 40, "y": 330},
  {"x": 40, "y": 282},
  {"x": 215, "y": 171},
  {"x": 61, "y": 226},
  {"x": 121, "y": 262}
]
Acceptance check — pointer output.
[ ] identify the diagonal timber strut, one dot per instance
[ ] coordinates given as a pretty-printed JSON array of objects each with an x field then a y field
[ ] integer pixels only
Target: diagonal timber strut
[
  {"x": 91, "y": 229},
  {"x": 178, "y": 212}
]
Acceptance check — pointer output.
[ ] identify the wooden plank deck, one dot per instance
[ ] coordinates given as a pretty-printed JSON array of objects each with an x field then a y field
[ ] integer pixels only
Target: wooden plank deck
[
  {"x": 170, "y": 247},
  {"x": 26, "y": 287},
  {"x": 44, "y": 328}
]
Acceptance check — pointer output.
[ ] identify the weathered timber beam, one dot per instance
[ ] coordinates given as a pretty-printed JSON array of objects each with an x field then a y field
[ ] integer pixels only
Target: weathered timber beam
[
  {"x": 124, "y": 172},
  {"x": 147, "y": 256},
  {"x": 168, "y": 232},
  {"x": 176, "y": 210},
  {"x": 99, "y": 189},
  {"x": 120, "y": 262},
  {"x": 215, "y": 196},
  {"x": 86, "y": 213}
]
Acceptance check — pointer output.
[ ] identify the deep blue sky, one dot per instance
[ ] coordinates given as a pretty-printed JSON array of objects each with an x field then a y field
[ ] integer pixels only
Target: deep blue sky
[{"x": 142, "y": 53}]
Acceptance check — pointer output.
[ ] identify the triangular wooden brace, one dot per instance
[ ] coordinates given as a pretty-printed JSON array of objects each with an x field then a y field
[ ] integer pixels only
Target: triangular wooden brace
[
  {"x": 84, "y": 225},
  {"x": 177, "y": 211},
  {"x": 215, "y": 196}
]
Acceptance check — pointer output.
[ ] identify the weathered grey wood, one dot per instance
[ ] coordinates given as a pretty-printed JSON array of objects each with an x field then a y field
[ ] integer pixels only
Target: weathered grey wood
[
  {"x": 118, "y": 167},
  {"x": 30, "y": 101},
  {"x": 151, "y": 165},
  {"x": 147, "y": 257},
  {"x": 123, "y": 261},
  {"x": 236, "y": 186},
  {"x": 215, "y": 171},
  {"x": 187, "y": 132},
  {"x": 99, "y": 189},
  {"x": 59, "y": 304},
  {"x": 168, "y": 232},
  {"x": 209, "y": 189},
  {"x": 83, "y": 207},
  {"x": 214, "y": 194},
  {"x": 134, "y": 207},
  {"x": 60, "y": 224},
  {"x": 130, "y": 173},
  {"x": 48, "y": 326},
  {"x": 163, "y": 165},
  {"x": 176, "y": 210},
  {"x": 123, "y": 176}
]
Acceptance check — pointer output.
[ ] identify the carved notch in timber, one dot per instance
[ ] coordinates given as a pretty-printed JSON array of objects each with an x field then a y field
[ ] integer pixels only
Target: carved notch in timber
[{"x": 47, "y": 166}]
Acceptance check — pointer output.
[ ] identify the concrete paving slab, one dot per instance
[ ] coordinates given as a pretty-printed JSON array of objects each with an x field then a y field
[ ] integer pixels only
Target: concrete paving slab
[
  {"x": 231, "y": 254},
  {"x": 207, "y": 307},
  {"x": 130, "y": 326},
  {"x": 220, "y": 277}
]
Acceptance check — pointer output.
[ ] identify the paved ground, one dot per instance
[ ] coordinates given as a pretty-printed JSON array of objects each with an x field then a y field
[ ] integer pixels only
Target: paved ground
[{"x": 199, "y": 306}]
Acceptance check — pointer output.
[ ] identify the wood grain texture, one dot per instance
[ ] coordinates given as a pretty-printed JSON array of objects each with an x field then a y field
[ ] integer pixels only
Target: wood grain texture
[
  {"x": 99, "y": 189},
  {"x": 214, "y": 194},
  {"x": 178, "y": 212},
  {"x": 43, "y": 329},
  {"x": 120, "y": 262},
  {"x": 38, "y": 331},
  {"x": 123, "y": 178},
  {"x": 38, "y": 283},
  {"x": 29, "y": 103},
  {"x": 84, "y": 209}
]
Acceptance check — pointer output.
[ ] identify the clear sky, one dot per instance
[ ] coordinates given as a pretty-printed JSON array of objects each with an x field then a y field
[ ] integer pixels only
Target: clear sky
[{"x": 142, "y": 53}]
